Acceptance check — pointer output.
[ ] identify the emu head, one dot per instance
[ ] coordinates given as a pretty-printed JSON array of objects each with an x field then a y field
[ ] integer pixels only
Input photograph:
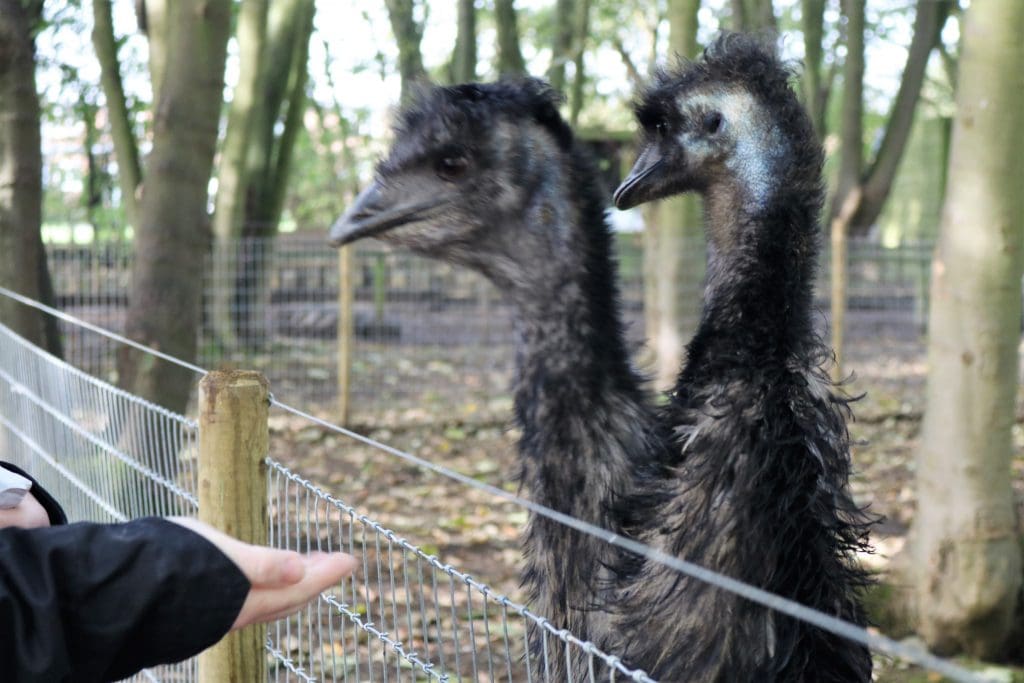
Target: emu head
[
  {"x": 726, "y": 123},
  {"x": 466, "y": 163}
]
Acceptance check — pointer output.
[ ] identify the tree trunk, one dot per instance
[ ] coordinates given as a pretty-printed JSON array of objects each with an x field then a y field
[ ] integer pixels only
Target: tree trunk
[
  {"x": 965, "y": 541},
  {"x": 154, "y": 20},
  {"x": 851, "y": 151},
  {"x": 173, "y": 234},
  {"x": 126, "y": 150},
  {"x": 510, "y": 56},
  {"x": 229, "y": 210},
  {"x": 561, "y": 49},
  {"x": 464, "y": 59},
  {"x": 812, "y": 17},
  {"x": 276, "y": 122},
  {"x": 408, "y": 34},
  {"x": 581, "y": 31},
  {"x": 21, "y": 253},
  {"x": 752, "y": 15},
  {"x": 674, "y": 246},
  {"x": 931, "y": 15}
]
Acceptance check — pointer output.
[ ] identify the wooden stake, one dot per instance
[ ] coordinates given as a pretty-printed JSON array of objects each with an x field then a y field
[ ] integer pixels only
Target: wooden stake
[
  {"x": 346, "y": 332},
  {"x": 233, "y": 442}
]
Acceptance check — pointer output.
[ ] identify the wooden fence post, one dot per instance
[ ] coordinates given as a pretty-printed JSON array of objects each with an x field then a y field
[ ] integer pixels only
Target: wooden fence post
[
  {"x": 346, "y": 332},
  {"x": 840, "y": 277},
  {"x": 233, "y": 442}
]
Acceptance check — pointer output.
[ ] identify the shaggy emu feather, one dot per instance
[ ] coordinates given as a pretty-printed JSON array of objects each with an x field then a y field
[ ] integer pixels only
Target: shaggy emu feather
[
  {"x": 489, "y": 176},
  {"x": 762, "y": 459},
  {"x": 752, "y": 482}
]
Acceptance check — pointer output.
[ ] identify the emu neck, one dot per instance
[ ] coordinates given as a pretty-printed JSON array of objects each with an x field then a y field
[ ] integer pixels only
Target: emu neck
[
  {"x": 761, "y": 264},
  {"x": 585, "y": 417},
  {"x": 571, "y": 355}
]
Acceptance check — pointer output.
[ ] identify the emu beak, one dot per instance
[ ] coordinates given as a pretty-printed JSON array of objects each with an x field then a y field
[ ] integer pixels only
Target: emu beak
[
  {"x": 643, "y": 182},
  {"x": 376, "y": 211}
]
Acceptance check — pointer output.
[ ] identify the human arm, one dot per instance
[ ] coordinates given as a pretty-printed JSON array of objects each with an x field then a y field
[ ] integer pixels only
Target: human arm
[{"x": 93, "y": 602}]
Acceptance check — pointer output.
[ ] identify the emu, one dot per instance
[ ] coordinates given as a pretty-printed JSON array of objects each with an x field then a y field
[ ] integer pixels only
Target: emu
[
  {"x": 489, "y": 176},
  {"x": 762, "y": 451}
]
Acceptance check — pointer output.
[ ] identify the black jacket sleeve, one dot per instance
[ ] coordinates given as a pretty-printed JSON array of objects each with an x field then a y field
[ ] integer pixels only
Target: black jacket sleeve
[
  {"x": 53, "y": 509},
  {"x": 96, "y": 602}
]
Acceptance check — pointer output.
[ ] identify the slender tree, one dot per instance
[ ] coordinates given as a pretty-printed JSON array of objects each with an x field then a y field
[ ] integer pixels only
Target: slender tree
[
  {"x": 408, "y": 33},
  {"x": 812, "y": 18},
  {"x": 851, "y": 128},
  {"x": 173, "y": 233},
  {"x": 126, "y": 149},
  {"x": 875, "y": 181},
  {"x": 561, "y": 48},
  {"x": 22, "y": 258},
  {"x": 232, "y": 170},
  {"x": 753, "y": 15},
  {"x": 153, "y": 17},
  {"x": 464, "y": 57},
  {"x": 965, "y": 542},
  {"x": 581, "y": 32},
  {"x": 674, "y": 248},
  {"x": 277, "y": 122},
  {"x": 510, "y": 55}
]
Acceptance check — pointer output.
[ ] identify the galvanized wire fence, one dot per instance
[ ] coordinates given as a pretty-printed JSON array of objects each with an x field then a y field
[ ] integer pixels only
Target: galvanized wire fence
[
  {"x": 105, "y": 455},
  {"x": 424, "y": 333},
  {"x": 406, "y": 615}
]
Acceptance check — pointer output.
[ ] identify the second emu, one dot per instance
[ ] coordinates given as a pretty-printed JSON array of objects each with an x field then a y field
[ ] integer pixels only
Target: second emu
[{"x": 762, "y": 450}]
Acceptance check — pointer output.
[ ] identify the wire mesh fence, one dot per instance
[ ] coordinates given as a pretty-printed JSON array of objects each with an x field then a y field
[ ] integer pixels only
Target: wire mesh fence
[
  {"x": 106, "y": 455},
  {"x": 424, "y": 332},
  {"x": 406, "y": 615}
]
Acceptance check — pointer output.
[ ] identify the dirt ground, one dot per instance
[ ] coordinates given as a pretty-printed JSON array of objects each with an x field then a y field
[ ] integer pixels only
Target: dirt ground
[{"x": 479, "y": 534}]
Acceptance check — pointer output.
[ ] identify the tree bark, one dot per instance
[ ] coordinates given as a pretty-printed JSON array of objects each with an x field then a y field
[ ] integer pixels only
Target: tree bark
[
  {"x": 173, "y": 234},
  {"x": 21, "y": 254},
  {"x": 126, "y": 149},
  {"x": 510, "y": 56},
  {"x": 464, "y": 59},
  {"x": 408, "y": 34},
  {"x": 752, "y": 15},
  {"x": 581, "y": 29},
  {"x": 851, "y": 150},
  {"x": 229, "y": 209},
  {"x": 812, "y": 17},
  {"x": 561, "y": 48},
  {"x": 277, "y": 121},
  {"x": 674, "y": 245},
  {"x": 154, "y": 20},
  {"x": 965, "y": 541},
  {"x": 931, "y": 15}
]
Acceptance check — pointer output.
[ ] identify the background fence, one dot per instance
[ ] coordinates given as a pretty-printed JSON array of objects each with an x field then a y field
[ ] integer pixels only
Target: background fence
[{"x": 424, "y": 333}]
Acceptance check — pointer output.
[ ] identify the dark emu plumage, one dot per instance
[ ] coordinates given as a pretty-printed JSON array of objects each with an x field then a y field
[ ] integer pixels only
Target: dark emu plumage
[
  {"x": 762, "y": 446},
  {"x": 489, "y": 176},
  {"x": 745, "y": 472}
]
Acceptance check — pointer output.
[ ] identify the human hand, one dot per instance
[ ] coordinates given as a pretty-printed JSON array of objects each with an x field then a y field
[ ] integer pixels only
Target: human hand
[
  {"x": 28, "y": 514},
  {"x": 282, "y": 581}
]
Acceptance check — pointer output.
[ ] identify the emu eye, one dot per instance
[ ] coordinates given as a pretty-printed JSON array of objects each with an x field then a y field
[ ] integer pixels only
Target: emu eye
[
  {"x": 712, "y": 122},
  {"x": 451, "y": 167}
]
